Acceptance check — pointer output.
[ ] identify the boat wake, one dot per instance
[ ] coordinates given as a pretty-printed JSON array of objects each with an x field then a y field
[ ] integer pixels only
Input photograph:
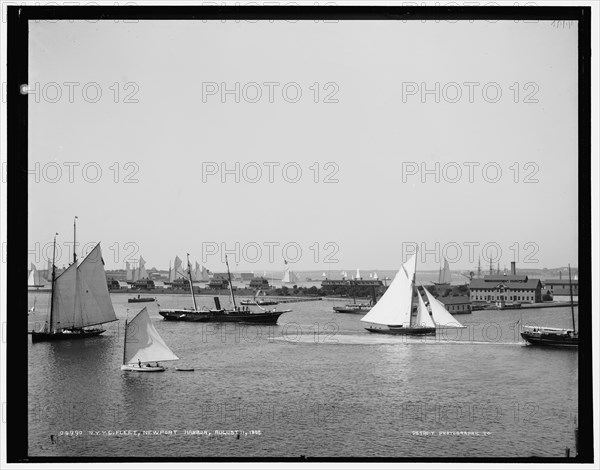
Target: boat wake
[{"x": 371, "y": 339}]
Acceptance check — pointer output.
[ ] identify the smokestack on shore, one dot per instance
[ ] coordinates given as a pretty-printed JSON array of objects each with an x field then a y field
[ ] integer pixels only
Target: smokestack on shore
[{"x": 513, "y": 268}]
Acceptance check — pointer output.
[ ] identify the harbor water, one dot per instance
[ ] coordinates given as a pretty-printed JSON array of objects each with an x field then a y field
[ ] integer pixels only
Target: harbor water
[{"x": 317, "y": 384}]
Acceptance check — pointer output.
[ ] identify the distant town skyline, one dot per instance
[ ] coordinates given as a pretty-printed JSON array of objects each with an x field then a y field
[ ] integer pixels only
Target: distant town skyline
[{"x": 340, "y": 139}]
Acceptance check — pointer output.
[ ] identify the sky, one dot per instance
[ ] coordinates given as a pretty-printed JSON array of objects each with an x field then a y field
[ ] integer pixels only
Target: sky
[{"x": 129, "y": 130}]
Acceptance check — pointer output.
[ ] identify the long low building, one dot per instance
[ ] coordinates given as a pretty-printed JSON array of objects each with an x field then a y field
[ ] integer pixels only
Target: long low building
[
  {"x": 507, "y": 288},
  {"x": 560, "y": 289}
]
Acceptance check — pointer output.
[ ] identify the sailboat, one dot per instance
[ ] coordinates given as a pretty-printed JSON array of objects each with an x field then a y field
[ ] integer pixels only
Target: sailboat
[
  {"x": 79, "y": 299},
  {"x": 144, "y": 345},
  {"x": 35, "y": 280},
  {"x": 445, "y": 276},
  {"x": 32, "y": 309},
  {"x": 289, "y": 277},
  {"x": 395, "y": 308},
  {"x": 554, "y": 337},
  {"x": 219, "y": 314}
]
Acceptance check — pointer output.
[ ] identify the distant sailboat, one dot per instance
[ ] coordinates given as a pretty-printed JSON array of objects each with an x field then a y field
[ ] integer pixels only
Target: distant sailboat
[
  {"x": 32, "y": 309},
  {"x": 79, "y": 299},
  {"x": 35, "y": 279},
  {"x": 445, "y": 276},
  {"x": 395, "y": 308},
  {"x": 144, "y": 345},
  {"x": 289, "y": 277}
]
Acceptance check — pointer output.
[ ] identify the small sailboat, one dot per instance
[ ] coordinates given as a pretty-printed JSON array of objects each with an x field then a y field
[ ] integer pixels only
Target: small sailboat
[
  {"x": 79, "y": 299},
  {"x": 289, "y": 277},
  {"x": 32, "y": 309},
  {"x": 445, "y": 276},
  {"x": 395, "y": 309},
  {"x": 553, "y": 337},
  {"x": 143, "y": 345}
]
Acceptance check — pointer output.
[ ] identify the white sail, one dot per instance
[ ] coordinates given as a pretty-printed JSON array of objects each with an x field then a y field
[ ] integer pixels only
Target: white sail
[
  {"x": 94, "y": 303},
  {"x": 441, "y": 316},
  {"x": 178, "y": 271},
  {"x": 135, "y": 273},
  {"x": 375, "y": 276},
  {"x": 128, "y": 273},
  {"x": 423, "y": 318},
  {"x": 34, "y": 279},
  {"x": 357, "y": 273},
  {"x": 142, "y": 273},
  {"x": 289, "y": 276},
  {"x": 143, "y": 343},
  {"x": 445, "y": 276},
  {"x": 394, "y": 307},
  {"x": 205, "y": 276}
]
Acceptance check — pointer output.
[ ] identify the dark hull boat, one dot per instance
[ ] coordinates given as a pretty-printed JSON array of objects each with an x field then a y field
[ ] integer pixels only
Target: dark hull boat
[
  {"x": 259, "y": 302},
  {"x": 412, "y": 331},
  {"x": 553, "y": 337},
  {"x": 39, "y": 336},
  {"x": 141, "y": 299},
  {"x": 353, "y": 308},
  {"x": 218, "y": 314},
  {"x": 222, "y": 316}
]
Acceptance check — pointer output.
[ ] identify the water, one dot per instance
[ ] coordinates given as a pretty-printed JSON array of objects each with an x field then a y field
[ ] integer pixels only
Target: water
[{"x": 317, "y": 384}]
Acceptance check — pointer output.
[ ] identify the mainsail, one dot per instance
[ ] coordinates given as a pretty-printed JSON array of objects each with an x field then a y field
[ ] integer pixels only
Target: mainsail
[
  {"x": 81, "y": 295},
  {"x": 445, "y": 276},
  {"x": 441, "y": 316},
  {"x": 395, "y": 306},
  {"x": 143, "y": 343},
  {"x": 128, "y": 273}
]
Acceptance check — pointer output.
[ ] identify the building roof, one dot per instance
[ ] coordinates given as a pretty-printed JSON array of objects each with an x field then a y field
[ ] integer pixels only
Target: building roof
[
  {"x": 504, "y": 277},
  {"x": 560, "y": 282},
  {"x": 513, "y": 285},
  {"x": 459, "y": 299}
]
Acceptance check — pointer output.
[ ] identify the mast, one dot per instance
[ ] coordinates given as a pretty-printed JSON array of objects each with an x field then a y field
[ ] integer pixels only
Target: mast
[
  {"x": 571, "y": 292},
  {"x": 412, "y": 289},
  {"x": 53, "y": 278},
  {"x": 74, "y": 239},
  {"x": 125, "y": 341},
  {"x": 230, "y": 285},
  {"x": 191, "y": 284},
  {"x": 75, "y": 263}
]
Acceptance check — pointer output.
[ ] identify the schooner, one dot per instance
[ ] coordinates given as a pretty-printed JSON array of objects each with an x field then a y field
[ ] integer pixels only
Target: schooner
[{"x": 79, "y": 299}]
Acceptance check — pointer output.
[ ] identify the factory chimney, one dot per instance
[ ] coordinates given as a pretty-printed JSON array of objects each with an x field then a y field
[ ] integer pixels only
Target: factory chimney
[{"x": 513, "y": 268}]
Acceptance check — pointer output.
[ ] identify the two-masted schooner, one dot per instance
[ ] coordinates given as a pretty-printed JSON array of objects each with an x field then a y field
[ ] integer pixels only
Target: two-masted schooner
[
  {"x": 79, "y": 300},
  {"x": 219, "y": 314},
  {"x": 395, "y": 310}
]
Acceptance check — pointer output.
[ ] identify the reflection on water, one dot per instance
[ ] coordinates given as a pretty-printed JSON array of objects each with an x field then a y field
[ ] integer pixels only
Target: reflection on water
[{"x": 317, "y": 384}]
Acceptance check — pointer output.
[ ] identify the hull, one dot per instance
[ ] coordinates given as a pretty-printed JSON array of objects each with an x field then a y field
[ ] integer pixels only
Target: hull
[
  {"x": 264, "y": 302},
  {"x": 222, "y": 316},
  {"x": 350, "y": 309},
  {"x": 550, "y": 339},
  {"x": 144, "y": 299},
  {"x": 416, "y": 331},
  {"x": 134, "y": 368},
  {"x": 39, "y": 336}
]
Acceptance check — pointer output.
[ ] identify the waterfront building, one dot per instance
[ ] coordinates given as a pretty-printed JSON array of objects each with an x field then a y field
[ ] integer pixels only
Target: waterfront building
[{"x": 560, "y": 291}]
